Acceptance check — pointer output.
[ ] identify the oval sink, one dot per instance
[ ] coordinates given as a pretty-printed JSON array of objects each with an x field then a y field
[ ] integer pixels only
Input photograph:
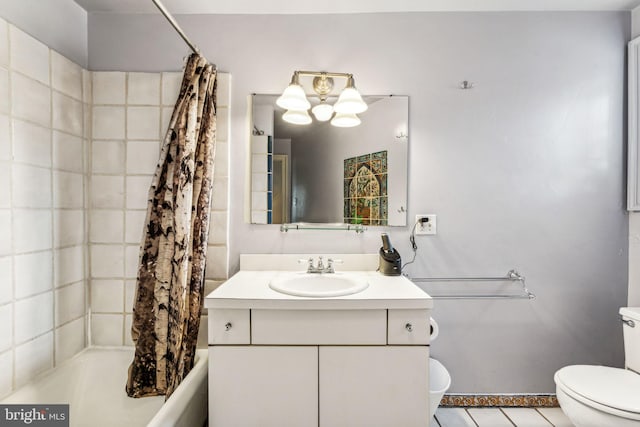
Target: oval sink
[{"x": 318, "y": 285}]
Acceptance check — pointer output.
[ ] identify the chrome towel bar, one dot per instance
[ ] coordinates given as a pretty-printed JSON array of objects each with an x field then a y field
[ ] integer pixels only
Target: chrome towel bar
[{"x": 512, "y": 275}]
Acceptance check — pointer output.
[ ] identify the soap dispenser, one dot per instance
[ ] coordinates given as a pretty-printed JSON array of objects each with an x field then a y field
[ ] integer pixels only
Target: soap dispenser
[{"x": 390, "y": 262}]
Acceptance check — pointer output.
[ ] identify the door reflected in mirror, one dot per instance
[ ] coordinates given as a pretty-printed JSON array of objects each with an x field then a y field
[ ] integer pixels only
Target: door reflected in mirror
[{"x": 319, "y": 173}]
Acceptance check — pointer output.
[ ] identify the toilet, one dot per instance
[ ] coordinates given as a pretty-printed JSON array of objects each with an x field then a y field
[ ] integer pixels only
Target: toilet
[
  {"x": 439, "y": 382},
  {"x": 439, "y": 378},
  {"x": 601, "y": 396}
]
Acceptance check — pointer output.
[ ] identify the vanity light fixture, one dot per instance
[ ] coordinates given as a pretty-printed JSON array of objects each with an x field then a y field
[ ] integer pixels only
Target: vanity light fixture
[{"x": 346, "y": 108}]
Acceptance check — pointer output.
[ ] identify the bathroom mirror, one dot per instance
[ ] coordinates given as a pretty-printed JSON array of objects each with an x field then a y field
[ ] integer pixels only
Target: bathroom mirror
[{"x": 319, "y": 173}]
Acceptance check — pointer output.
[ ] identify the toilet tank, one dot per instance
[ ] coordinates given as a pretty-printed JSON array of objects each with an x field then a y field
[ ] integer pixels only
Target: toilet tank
[{"x": 631, "y": 337}]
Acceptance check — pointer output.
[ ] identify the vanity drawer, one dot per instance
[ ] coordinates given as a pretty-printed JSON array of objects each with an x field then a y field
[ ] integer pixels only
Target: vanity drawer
[
  {"x": 319, "y": 327},
  {"x": 408, "y": 327},
  {"x": 229, "y": 327}
]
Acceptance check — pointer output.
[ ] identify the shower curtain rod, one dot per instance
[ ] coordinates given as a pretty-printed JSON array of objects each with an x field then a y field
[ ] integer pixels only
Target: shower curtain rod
[{"x": 175, "y": 25}]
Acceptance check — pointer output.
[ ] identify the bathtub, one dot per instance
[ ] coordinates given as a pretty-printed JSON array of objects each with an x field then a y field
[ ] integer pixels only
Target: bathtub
[{"x": 92, "y": 383}]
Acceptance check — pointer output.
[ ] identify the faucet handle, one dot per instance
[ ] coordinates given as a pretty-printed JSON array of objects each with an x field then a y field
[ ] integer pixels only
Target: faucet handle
[
  {"x": 330, "y": 263},
  {"x": 308, "y": 261}
]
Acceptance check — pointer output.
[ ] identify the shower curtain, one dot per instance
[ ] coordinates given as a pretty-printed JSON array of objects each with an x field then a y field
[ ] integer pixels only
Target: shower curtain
[{"x": 170, "y": 284}]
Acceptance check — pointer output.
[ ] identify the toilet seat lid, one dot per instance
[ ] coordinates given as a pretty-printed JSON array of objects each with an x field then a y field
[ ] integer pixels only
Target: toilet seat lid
[{"x": 612, "y": 387}]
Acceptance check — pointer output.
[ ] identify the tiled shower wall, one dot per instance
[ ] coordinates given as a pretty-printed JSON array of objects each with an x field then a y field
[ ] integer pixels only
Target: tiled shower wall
[
  {"x": 131, "y": 112},
  {"x": 72, "y": 209},
  {"x": 43, "y": 141}
]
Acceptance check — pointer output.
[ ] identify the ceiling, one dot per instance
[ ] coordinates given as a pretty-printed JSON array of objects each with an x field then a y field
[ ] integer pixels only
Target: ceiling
[{"x": 350, "y": 6}]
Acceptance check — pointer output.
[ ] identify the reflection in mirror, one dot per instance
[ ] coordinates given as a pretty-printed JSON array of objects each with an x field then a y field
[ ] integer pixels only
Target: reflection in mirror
[{"x": 320, "y": 173}]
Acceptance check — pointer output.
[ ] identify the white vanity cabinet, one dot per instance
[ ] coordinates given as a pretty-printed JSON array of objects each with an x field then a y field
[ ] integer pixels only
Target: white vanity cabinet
[{"x": 329, "y": 368}]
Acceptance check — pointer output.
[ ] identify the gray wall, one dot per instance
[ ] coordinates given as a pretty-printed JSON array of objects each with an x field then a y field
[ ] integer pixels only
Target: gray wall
[
  {"x": 524, "y": 171},
  {"x": 60, "y": 24}
]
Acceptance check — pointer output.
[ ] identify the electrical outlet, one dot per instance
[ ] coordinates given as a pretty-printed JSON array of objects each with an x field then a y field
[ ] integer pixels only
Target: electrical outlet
[{"x": 426, "y": 227}]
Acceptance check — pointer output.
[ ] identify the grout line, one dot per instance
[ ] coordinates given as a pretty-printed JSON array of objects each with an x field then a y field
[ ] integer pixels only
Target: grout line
[
  {"x": 545, "y": 418},
  {"x": 472, "y": 419},
  {"x": 11, "y": 213},
  {"x": 507, "y": 417}
]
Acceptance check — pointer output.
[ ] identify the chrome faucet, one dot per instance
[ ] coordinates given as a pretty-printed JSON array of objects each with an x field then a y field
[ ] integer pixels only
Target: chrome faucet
[{"x": 320, "y": 267}]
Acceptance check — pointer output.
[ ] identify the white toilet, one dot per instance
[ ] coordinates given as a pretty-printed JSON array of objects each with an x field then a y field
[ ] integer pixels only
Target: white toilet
[{"x": 600, "y": 396}]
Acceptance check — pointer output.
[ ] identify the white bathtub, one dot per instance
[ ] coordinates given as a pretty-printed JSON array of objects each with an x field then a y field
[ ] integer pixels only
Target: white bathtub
[{"x": 92, "y": 383}]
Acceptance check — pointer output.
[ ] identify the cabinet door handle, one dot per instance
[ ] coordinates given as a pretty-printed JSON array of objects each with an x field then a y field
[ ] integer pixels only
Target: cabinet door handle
[
  {"x": 228, "y": 326},
  {"x": 408, "y": 327}
]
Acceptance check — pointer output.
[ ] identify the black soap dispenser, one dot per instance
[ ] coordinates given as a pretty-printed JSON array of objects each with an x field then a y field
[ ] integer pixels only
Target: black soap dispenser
[{"x": 390, "y": 262}]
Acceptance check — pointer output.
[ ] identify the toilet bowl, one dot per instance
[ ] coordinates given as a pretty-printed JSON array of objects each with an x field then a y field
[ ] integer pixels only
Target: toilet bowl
[
  {"x": 439, "y": 382},
  {"x": 601, "y": 396}
]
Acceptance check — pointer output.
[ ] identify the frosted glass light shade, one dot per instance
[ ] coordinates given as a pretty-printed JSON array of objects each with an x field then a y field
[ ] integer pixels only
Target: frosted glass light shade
[
  {"x": 297, "y": 117},
  {"x": 345, "y": 120},
  {"x": 322, "y": 111},
  {"x": 350, "y": 102},
  {"x": 293, "y": 98}
]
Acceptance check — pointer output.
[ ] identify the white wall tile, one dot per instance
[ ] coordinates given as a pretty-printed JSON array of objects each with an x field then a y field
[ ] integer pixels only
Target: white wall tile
[
  {"x": 68, "y": 115},
  {"x": 218, "y": 228},
  {"x": 143, "y": 123},
  {"x": 107, "y": 226},
  {"x": 134, "y": 226},
  {"x": 68, "y": 227},
  {"x": 221, "y": 161},
  {"x": 31, "y": 144},
  {"x": 69, "y": 340},
  {"x": 31, "y": 186},
  {"x": 69, "y": 303},
  {"x": 107, "y": 192},
  {"x": 142, "y": 157},
  {"x": 128, "y": 320},
  {"x": 66, "y": 76},
  {"x": 5, "y": 92},
  {"x": 4, "y": 43},
  {"x": 30, "y": 100},
  {"x": 216, "y": 262},
  {"x": 107, "y": 296},
  {"x": 6, "y": 373},
  {"x": 164, "y": 122},
  {"x": 108, "y": 157},
  {"x": 28, "y": 55},
  {"x": 129, "y": 294},
  {"x": 6, "y": 231},
  {"x": 137, "y": 191},
  {"x": 6, "y": 320},
  {"x": 67, "y": 152},
  {"x": 132, "y": 256},
  {"x": 36, "y": 316},
  {"x": 32, "y": 230},
  {"x": 69, "y": 265},
  {"x": 68, "y": 190},
  {"x": 87, "y": 86},
  {"x": 107, "y": 261},
  {"x": 219, "y": 195},
  {"x": 223, "y": 89},
  {"x": 5, "y": 137},
  {"x": 5, "y": 185},
  {"x": 106, "y": 329},
  {"x": 108, "y": 87},
  {"x": 170, "y": 88},
  {"x": 108, "y": 122},
  {"x": 33, "y": 273},
  {"x": 143, "y": 89},
  {"x": 6, "y": 280},
  {"x": 33, "y": 358},
  {"x": 222, "y": 124}
]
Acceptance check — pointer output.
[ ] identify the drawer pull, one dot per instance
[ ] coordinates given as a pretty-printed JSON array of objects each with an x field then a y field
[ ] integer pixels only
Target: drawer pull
[
  {"x": 408, "y": 327},
  {"x": 228, "y": 326}
]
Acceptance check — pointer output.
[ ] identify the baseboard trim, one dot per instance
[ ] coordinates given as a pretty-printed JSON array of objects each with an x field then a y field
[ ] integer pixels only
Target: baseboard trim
[{"x": 499, "y": 400}]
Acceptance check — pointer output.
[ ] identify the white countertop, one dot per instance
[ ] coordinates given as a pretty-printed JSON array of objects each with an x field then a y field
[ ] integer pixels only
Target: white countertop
[{"x": 250, "y": 290}]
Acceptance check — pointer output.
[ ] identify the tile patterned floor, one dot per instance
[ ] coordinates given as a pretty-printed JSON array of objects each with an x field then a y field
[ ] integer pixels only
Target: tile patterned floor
[{"x": 498, "y": 417}]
